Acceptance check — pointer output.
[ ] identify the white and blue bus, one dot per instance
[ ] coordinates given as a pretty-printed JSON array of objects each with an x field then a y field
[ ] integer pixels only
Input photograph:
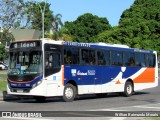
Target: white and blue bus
[{"x": 47, "y": 68}]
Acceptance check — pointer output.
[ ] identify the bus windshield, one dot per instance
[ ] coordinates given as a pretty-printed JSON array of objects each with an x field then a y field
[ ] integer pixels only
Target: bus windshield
[{"x": 25, "y": 62}]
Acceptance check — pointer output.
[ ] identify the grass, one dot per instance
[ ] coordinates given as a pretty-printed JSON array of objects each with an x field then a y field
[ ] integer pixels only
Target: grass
[
  {"x": 3, "y": 76},
  {"x": 3, "y": 82}
]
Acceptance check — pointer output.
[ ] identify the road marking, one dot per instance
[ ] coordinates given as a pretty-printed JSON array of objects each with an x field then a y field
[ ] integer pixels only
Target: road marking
[
  {"x": 123, "y": 108},
  {"x": 106, "y": 109},
  {"x": 147, "y": 107}
]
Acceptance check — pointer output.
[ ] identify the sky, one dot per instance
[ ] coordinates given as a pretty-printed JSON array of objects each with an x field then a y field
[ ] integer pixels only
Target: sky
[{"x": 72, "y": 9}]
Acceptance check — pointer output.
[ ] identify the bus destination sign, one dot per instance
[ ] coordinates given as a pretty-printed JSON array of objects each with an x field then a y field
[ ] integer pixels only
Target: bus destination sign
[{"x": 27, "y": 44}]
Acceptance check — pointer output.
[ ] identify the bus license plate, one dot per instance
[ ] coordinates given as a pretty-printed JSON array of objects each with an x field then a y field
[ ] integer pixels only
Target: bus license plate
[{"x": 20, "y": 91}]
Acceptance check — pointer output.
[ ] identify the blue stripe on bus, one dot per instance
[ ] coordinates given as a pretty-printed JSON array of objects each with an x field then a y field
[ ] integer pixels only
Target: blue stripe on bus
[{"x": 88, "y": 75}]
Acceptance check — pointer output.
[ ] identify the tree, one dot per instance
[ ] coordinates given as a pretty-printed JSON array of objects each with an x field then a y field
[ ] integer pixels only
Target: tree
[
  {"x": 56, "y": 22},
  {"x": 34, "y": 15},
  {"x": 10, "y": 12},
  {"x": 144, "y": 20},
  {"x": 5, "y": 37},
  {"x": 2, "y": 52},
  {"x": 110, "y": 36},
  {"x": 63, "y": 36},
  {"x": 139, "y": 26},
  {"x": 86, "y": 27},
  {"x": 34, "y": 21},
  {"x": 60, "y": 35},
  {"x": 56, "y": 31}
]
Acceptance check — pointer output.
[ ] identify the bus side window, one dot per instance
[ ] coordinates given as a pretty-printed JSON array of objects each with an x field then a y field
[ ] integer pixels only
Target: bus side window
[
  {"x": 92, "y": 60},
  {"x": 88, "y": 57},
  {"x": 128, "y": 59},
  {"x": 75, "y": 56},
  {"x": 116, "y": 58},
  {"x": 103, "y": 57},
  {"x": 84, "y": 57},
  {"x": 152, "y": 60},
  {"x": 140, "y": 59},
  {"x": 71, "y": 55},
  {"x": 100, "y": 57},
  {"x": 131, "y": 62},
  {"x": 67, "y": 56}
]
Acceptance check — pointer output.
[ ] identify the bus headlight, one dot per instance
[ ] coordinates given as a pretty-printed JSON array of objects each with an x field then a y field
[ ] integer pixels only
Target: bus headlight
[{"x": 36, "y": 84}]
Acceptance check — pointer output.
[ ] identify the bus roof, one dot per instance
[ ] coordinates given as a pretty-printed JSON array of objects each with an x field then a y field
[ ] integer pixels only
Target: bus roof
[
  {"x": 100, "y": 45},
  {"x": 108, "y": 46}
]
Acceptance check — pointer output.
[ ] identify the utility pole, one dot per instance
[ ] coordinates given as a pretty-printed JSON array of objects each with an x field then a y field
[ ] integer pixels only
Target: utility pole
[{"x": 42, "y": 11}]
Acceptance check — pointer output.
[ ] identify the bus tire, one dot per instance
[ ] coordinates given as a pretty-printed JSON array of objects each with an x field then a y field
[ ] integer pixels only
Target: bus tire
[
  {"x": 69, "y": 93},
  {"x": 40, "y": 99},
  {"x": 128, "y": 89}
]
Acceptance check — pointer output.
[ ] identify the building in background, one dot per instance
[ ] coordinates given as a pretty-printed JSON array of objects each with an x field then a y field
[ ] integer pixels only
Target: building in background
[{"x": 20, "y": 34}]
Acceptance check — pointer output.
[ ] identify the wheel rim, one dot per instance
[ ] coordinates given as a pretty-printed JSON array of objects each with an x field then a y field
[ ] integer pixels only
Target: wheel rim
[
  {"x": 129, "y": 89},
  {"x": 69, "y": 93}
]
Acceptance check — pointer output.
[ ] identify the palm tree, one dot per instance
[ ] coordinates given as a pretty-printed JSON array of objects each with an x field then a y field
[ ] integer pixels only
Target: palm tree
[{"x": 56, "y": 22}]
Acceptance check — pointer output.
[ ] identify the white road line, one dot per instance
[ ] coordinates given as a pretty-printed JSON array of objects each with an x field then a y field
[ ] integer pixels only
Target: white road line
[
  {"x": 122, "y": 108},
  {"x": 115, "y": 109},
  {"x": 147, "y": 107}
]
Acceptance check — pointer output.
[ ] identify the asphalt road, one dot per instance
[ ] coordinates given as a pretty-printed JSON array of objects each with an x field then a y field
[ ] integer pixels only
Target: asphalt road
[{"x": 146, "y": 100}]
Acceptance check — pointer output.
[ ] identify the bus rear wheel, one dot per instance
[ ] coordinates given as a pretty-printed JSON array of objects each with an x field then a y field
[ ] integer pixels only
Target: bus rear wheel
[
  {"x": 128, "y": 89},
  {"x": 69, "y": 93}
]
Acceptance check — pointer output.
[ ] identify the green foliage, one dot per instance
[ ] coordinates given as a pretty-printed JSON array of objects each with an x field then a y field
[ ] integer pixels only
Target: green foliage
[
  {"x": 86, "y": 27},
  {"x": 144, "y": 20},
  {"x": 57, "y": 33},
  {"x": 56, "y": 22},
  {"x": 34, "y": 11},
  {"x": 5, "y": 36},
  {"x": 139, "y": 26},
  {"x": 3, "y": 84},
  {"x": 63, "y": 36},
  {"x": 2, "y": 52},
  {"x": 2, "y": 47}
]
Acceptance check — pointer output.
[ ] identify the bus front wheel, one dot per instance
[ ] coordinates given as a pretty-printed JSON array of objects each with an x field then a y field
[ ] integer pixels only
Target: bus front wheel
[
  {"x": 128, "y": 89},
  {"x": 69, "y": 93}
]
